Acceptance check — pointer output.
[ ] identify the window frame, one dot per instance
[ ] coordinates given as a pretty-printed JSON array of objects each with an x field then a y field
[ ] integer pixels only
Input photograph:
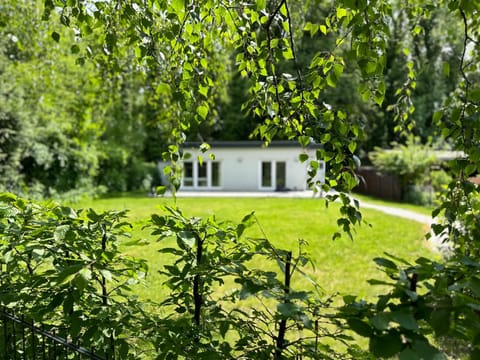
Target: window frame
[{"x": 202, "y": 182}]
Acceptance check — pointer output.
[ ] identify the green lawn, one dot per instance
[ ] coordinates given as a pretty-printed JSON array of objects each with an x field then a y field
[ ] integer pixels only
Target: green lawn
[
  {"x": 424, "y": 210},
  {"x": 341, "y": 266}
]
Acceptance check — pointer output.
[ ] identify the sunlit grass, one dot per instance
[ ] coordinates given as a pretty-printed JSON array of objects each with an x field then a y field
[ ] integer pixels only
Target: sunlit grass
[
  {"x": 421, "y": 209},
  {"x": 341, "y": 266}
]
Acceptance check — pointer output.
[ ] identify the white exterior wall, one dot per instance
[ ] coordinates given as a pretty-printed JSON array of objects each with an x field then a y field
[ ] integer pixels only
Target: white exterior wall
[{"x": 240, "y": 167}]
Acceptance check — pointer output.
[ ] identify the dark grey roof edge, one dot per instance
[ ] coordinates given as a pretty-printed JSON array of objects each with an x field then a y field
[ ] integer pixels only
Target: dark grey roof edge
[{"x": 247, "y": 144}]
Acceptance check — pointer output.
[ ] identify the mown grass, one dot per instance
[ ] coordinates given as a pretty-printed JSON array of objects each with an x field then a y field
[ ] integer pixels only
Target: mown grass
[
  {"x": 341, "y": 266},
  {"x": 424, "y": 210}
]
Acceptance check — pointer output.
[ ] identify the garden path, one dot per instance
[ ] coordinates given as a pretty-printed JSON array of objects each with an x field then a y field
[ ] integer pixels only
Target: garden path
[{"x": 438, "y": 241}]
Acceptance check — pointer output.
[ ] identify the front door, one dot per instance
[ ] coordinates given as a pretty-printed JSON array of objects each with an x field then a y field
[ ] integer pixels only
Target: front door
[{"x": 273, "y": 175}]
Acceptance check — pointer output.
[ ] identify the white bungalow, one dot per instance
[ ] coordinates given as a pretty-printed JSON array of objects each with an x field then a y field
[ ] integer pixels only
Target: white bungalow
[{"x": 248, "y": 166}]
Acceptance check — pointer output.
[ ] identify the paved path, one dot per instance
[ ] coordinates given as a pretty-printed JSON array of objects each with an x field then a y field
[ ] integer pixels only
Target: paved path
[
  {"x": 407, "y": 214},
  {"x": 438, "y": 242}
]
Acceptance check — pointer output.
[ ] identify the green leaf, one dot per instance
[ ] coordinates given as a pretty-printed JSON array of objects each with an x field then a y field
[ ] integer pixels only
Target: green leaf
[
  {"x": 338, "y": 70},
  {"x": 380, "y": 321},
  {"x": 304, "y": 141},
  {"x": 202, "y": 110},
  {"x": 7, "y": 197},
  {"x": 38, "y": 254},
  {"x": 379, "y": 282},
  {"x": 75, "y": 326},
  {"x": 386, "y": 346},
  {"x": 379, "y": 97},
  {"x": 68, "y": 304},
  {"x": 360, "y": 327},
  {"x": 56, "y": 36},
  {"x": 303, "y": 157},
  {"x": 187, "y": 237},
  {"x": 204, "y": 147},
  {"x": 301, "y": 295},
  {"x": 223, "y": 328},
  {"x": 173, "y": 251},
  {"x": 287, "y": 309},
  {"x": 446, "y": 68},
  {"x": 288, "y": 54},
  {"x": 474, "y": 95},
  {"x": 8, "y": 256},
  {"x": 261, "y": 4},
  {"x": 437, "y": 116},
  {"x": 157, "y": 220},
  {"x": 60, "y": 232},
  {"x": 331, "y": 80},
  {"x": 341, "y": 12},
  {"x": 474, "y": 284},
  {"x": 249, "y": 288},
  {"x": 405, "y": 320},
  {"x": 83, "y": 278},
  {"x": 370, "y": 67},
  {"x": 179, "y": 7},
  {"x": 409, "y": 354},
  {"x": 456, "y": 113},
  {"x": 67, "y": 274},
  {"x": 106, "y": 274},
  {"x": 440, "y": 321},
  {"x": 417, "y": 29},
  {"x": 352, "y": 147},
  {"x": 427, "y": 351},
  {"x": 92, "y": 215},
  {"x": 385, "y": 263},
  {"x": 163, "y": 89}
]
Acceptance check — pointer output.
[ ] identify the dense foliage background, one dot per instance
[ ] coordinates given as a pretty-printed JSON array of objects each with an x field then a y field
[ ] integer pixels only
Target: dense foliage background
[{"x": 71, "y": 125}]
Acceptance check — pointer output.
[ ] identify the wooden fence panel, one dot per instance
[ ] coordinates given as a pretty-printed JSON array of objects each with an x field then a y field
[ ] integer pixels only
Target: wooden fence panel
[{"x": 373, "y": 183}]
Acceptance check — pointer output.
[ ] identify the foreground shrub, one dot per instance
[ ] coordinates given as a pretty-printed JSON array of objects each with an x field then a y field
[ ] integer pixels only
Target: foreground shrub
[{"x": 63, "y": 267}]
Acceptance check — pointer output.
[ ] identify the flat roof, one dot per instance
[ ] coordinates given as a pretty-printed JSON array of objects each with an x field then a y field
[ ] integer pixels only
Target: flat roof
[{"x": 247, "y": 144}]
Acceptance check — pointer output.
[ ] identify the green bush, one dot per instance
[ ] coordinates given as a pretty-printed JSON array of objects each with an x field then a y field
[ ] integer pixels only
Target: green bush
[
  {"x": 439, "y": 179},
  {"x": 63, "y": 267},
  {"x": 142, "y": 175},
  {"x": 418, "y": 195},
  {"x": 409, "y": 162},
  {"x": 120, "y": 172}
]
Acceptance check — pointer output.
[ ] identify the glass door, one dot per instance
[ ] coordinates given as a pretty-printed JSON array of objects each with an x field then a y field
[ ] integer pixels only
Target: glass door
[
  {"x": 280, "y": 175},
  {"x": 273, "y": 175},
  {"x": 266, "y": 175}
]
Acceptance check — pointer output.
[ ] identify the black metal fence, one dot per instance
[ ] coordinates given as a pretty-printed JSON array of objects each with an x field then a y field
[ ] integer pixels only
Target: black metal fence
[{"x": 24, "y": 340}]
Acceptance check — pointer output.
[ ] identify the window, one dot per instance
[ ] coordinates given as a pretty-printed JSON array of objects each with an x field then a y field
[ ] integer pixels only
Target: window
[
  {"x": 202, "y": 179},
  {"x": 280, "y": 175},
  {"x": 215, "y": 174},
  {"x": 188, "y": 173},
  {"x": 266, "y": 174},
  {"x": 205, "y": 175}
]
